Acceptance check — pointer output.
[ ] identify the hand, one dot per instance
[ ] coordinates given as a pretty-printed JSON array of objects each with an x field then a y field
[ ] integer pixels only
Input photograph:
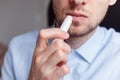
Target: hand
[{"x": 49, "y": 61}]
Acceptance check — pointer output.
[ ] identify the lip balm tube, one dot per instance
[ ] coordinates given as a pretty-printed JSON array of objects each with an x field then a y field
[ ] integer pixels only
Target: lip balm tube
[
  {"x": 64, "y": 27},
  {"x": 66, "y": 23}
]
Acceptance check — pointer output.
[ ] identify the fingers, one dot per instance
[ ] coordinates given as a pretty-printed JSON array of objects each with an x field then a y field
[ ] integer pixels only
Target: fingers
[
  {"x": 47, "y": 58},
  {"x": 61, "y": 71},
  {"x": 43, "y": 51},
  {"x": 46, "y": 34},
  {"x": 59, "y": 58},
  {"x": 56, "y": 74},
  {"x": 56, "y": 61},
  {"x": 58, "y": 47}
]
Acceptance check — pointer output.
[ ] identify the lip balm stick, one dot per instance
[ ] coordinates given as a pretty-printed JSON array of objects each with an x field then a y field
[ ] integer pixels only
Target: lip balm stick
[
  {"x": 66, "y": 23},
  {"x": 64, "y": 27}
]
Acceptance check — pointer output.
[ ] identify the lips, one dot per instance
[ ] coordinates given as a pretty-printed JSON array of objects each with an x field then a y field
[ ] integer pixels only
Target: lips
[{"x": 78, "y": 16}]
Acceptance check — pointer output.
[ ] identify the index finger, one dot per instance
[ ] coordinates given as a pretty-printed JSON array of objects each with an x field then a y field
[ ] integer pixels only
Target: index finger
[{"x": 45, "y": 34}]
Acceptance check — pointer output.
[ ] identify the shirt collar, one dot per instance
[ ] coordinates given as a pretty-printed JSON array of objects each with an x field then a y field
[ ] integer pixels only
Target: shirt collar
[{"x": 90, "y": 49}]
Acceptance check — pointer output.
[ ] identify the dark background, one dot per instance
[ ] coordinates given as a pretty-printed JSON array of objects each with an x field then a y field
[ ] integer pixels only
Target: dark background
[{"x": 112, "y": 18}]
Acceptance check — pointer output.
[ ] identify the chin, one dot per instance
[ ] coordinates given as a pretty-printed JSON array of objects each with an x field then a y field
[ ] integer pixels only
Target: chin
[{"x": 80, "y": 31}]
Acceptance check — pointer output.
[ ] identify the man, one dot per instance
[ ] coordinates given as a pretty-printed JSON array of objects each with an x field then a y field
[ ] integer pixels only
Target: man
[{"x": 86, "y": 52}]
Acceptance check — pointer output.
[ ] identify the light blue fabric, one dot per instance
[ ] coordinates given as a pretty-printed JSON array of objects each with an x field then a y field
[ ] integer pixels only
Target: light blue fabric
[{"x": 97, "y": 59}]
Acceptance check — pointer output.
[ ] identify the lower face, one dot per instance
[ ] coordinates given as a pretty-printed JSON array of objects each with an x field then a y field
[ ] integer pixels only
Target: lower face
[{"x": 86, "y": 17}]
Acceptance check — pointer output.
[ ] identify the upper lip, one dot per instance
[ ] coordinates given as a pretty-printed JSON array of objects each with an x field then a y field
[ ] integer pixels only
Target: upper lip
[{"x": 77, "y": 14}]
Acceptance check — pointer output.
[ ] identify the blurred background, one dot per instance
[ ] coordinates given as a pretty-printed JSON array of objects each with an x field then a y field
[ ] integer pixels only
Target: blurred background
[{"x": 20, "y": 16}]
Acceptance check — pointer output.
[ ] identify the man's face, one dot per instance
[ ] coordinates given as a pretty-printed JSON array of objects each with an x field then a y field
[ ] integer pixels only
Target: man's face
[{"x": 86, "y": 15}]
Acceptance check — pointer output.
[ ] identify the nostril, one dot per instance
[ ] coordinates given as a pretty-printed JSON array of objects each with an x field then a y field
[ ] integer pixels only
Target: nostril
[{"x": 77, "y": 2}]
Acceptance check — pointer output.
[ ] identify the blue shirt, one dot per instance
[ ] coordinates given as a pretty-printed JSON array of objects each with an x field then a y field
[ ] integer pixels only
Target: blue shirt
[{"x": 96, "y": 59}]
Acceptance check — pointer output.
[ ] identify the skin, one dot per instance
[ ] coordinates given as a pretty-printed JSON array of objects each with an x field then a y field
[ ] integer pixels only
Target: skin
[{"x": 49, "y": 61}]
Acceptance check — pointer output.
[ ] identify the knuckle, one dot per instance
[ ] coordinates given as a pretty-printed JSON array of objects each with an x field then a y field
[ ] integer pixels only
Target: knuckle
[
  {"x": 42, "y": 33},
  {"x": 63, "y": 71},
  {"x": 67, "y": 70},
  {"x": 61, "y": 45},
  {"x": 38, "y": 58},
  {"x": 68, "y": 48},
  {"x": 58, "y": 44},
  {"x": 42, "y": 69},
  {"x": 61, "y": 55}
]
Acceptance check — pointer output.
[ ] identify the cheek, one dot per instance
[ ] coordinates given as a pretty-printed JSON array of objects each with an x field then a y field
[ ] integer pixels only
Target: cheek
[
  {"x": 58, "y": 6},
  {"x": 60, "y": 11},
  {"x": 98, "y": 11}
]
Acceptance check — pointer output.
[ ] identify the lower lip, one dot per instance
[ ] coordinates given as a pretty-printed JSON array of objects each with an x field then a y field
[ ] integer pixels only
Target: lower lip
[{"x": 78, "y": 18}]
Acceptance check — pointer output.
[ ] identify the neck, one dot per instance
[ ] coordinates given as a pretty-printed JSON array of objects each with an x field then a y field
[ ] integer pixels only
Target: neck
[{"x": 75, "y": 41}]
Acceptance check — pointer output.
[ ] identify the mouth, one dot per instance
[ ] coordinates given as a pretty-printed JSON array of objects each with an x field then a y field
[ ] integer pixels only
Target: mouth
[{"x": 78, "y": 16}]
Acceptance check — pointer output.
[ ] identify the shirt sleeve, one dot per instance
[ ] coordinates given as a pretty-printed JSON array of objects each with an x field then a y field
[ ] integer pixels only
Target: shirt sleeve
[{"x": 7, "y": 68}]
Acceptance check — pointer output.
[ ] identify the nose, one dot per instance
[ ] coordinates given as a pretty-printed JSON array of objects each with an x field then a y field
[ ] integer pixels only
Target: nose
[{"x": 77, "y": 2}]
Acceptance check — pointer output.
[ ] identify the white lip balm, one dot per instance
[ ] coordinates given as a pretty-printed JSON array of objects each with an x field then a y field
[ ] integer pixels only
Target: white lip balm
[
  {"x": 66, "y": 23},
  {"x": 64, "y": 27}
]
